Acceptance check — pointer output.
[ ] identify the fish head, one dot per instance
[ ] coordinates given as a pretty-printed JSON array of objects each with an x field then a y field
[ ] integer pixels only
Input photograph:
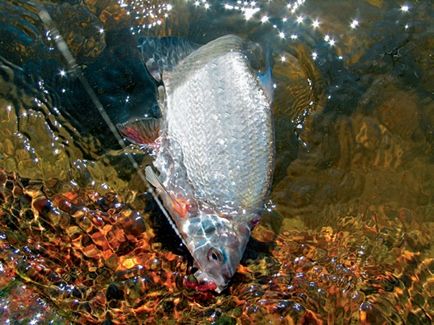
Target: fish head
[
  {"x": 216, "y": 244},
  {"x": 215, "y": 240}
]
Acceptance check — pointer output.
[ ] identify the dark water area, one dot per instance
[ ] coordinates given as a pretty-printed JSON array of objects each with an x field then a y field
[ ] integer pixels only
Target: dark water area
[{"x": 347, "y": 234}]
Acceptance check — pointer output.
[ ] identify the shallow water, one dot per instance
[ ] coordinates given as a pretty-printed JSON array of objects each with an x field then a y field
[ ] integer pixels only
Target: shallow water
[{"x": 347, "y": 234}]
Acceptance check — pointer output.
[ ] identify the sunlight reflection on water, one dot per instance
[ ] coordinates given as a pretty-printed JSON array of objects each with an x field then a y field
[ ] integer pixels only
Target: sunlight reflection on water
[{"x": 347, "y": 235}]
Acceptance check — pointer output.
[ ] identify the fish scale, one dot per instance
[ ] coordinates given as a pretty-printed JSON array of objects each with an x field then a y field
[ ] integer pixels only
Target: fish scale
[{"x": 216, "y": 177}]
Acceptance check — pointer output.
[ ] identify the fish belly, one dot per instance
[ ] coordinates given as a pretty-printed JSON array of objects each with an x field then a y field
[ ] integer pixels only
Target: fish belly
[{"x": 221, "y": 119}]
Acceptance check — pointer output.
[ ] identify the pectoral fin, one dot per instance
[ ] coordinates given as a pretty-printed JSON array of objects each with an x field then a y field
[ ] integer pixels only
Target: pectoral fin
[
  {"x": 143, "y": 131},
  {"x": 152, "y": 178},
  {"x": 179, "y": 205}
]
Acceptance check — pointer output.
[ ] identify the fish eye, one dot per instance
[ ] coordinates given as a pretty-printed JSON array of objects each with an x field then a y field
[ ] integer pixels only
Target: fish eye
[{"x": 214, "y": 255}]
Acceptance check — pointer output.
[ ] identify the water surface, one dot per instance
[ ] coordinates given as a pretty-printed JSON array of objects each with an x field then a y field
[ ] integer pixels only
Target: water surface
[{"x": 346, "y": 237}]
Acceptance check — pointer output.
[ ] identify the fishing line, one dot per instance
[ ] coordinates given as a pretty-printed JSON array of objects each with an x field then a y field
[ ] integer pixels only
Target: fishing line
[{"x": 75, "y": 68}]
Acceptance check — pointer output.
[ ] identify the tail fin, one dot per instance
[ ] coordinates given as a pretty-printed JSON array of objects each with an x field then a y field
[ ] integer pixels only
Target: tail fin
[{"x": 161, "y": 54}]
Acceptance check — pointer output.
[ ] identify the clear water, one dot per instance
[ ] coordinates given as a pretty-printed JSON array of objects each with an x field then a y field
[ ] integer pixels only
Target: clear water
[{"x": 347, "y": 234}]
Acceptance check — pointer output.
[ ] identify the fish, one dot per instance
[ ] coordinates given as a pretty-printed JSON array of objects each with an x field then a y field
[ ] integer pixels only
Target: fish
[{"x": 214, "y": 151}]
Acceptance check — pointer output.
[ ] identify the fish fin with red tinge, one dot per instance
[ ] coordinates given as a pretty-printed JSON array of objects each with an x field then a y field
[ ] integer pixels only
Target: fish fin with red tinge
[
  {"x": 143, "y": 131},
  {"x": 179, "y": 205},
  {"x": 153, "y": 179}
]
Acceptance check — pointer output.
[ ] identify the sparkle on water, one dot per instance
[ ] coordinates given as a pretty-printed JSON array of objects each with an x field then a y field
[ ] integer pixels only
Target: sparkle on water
[
  {"x": 151, "y": 14},
  {"x": 332, "y": 265}
]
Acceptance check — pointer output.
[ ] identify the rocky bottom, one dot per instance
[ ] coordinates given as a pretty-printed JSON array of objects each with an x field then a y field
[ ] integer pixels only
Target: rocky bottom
[{"x": 88, "y": 257}]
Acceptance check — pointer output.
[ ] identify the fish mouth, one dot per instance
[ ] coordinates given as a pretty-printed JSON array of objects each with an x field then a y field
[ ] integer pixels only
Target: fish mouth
[{"x": 207, "y": 283}]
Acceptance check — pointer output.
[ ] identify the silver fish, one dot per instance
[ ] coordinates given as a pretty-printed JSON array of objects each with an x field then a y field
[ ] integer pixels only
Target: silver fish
[{"x": 215, "y": 153}]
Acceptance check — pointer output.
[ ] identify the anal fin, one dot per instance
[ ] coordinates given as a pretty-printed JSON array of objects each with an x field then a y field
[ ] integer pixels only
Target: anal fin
[{"x": 143, "y": 131}]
